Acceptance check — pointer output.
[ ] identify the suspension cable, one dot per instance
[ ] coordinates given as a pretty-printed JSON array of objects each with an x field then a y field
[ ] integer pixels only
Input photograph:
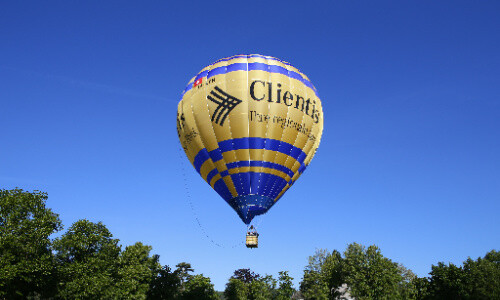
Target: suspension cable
[{"x": 188, "y": 199}]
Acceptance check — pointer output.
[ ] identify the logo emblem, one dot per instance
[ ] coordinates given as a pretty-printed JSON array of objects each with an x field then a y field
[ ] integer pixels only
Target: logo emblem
[
  {"x": 198, "y": 82},
  {"x": 226, "y": 103}
]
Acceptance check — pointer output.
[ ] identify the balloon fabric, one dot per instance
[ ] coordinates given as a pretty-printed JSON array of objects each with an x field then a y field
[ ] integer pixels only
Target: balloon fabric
[{"x": 250, "y": 125}]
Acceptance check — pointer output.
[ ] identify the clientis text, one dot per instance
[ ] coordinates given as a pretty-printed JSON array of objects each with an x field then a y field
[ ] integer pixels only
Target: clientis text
[{"x": 261, "y": 90}]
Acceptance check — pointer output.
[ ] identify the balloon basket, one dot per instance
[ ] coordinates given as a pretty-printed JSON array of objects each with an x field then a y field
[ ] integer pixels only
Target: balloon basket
[{"x": 252, "y": 241}]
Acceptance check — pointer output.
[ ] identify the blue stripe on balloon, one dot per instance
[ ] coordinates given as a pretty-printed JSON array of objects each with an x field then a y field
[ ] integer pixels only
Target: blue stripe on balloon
[
  {"x": 248, "y": 143},
  {"x": 301, "y": 170},
  {"x": 200, "y": 75},
  {"x": 255, "y": 66},
  {"x": 211, "y": 175},
  {"x": 215, "y": 155},
  {"x": 221, "y": 188},
  {"x": 302, "y": 156},
  {"x": 264, "y": 181},
  {"x": 296, "y": 152},
  {"x": 255, "y": 181},
  {"x": 200, "y": 158},
  {"x": 244, "y": 187},
  {"x": 264, "y": 188},
  {"x": 262, "y": 143},
  {"x": 257, "y": 143},
  {"x": 219, "y": 71},
  {"x": 258, "y": 163},
  {"x": 251, "y": 181},
  {"x": 252, "y": 56}
]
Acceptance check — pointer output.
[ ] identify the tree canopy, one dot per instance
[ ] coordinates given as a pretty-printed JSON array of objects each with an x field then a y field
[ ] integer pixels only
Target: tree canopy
[
  {"x": 87, "y": 262},
  {"x": 364, "y": 273},
  {"x": 26, "y": 261}
]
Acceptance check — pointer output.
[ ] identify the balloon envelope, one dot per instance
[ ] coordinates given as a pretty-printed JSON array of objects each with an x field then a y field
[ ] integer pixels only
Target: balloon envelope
[{"x": 250, "y": 125}]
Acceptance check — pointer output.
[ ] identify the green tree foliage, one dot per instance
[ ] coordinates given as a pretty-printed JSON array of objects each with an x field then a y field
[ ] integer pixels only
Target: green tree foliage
[
  {"x": 136, "y": 270},
  {"x": 285, "y": 289},
  {"x": 369, "y": 274},
  {"x": 420, "y": 288},
  {"x": 27, "y": 266},
  {"x": 258, "y": 287},
  {"x": 260, "y": 290},
  {"x": 92, "y": 266},
  {"x": 475, "y": 279},
  {"x": 484, "y": 276},
  {"x": 166, "y": 285},
  {"x": 199, "y": 287},
  {"x": 362, "y": 272},
  {"x": 236, "y": 290},
  {"x": 407, "y": 288},
  {"x": 180, "y": 284},
  {"x": 87, "y": 257},
  {"x": 334, "y": 274},
  {"x": 245, "y": 275},
  {"x": 314, "y": 286},
  {"x": 182, "y": 270},
  {"x": 270, "y": 283},
  {"x": 320, "y": 274},
  {"x": 86, "y": 262}
]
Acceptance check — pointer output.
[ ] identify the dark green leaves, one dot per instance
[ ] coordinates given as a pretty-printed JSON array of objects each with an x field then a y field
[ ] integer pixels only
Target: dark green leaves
[
  {"x": 26, "y": 262},
  {"x": 363, "y": 273},
  {"x": 245, "y": 284}
]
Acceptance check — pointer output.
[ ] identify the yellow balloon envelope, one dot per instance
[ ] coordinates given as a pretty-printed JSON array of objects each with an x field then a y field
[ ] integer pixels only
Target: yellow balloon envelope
[{"x": 250, "y": 125}]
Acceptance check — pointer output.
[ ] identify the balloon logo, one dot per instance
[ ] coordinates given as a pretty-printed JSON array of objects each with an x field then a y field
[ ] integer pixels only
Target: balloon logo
[{"x": 250, "y": 125}]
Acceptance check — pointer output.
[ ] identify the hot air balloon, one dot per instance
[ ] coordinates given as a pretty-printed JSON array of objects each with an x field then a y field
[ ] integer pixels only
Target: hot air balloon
[{"x": 250, "y": 125}]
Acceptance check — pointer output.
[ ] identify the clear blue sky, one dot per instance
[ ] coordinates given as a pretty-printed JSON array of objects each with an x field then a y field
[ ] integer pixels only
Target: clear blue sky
[{"x": 409, "y": 159}]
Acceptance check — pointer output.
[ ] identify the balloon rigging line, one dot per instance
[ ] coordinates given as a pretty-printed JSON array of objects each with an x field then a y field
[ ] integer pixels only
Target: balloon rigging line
[{"x": 188, "y": 198}]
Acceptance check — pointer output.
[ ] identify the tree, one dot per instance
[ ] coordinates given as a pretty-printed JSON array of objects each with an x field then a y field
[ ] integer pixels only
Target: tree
[
  {"x": 270, "y": 283},
  {"x": 334, "y": 275},
  {"x": 407, "y": 288},
  {"x": 313, "y": 286},
  {"x": 87, "y": 257},
  {"x": 256, "y": 287},
  {"x": 369, "y": 274},
  {"x": 245, "y": 275},
  {"x": 420, "y": 288},
  {"x": 260, "y": 290},
  {"x": 199, "y": 287},
  {"x": 236, "y": 290},
  {"x": 285, "y": 289},
  {"x": 27, "y": 266},
  {"x": 165, "y": 285},
  {"x": 246, "y": 284},
  {"x": 183, "y": 270},
  {"x": 484, "y": 276},
  {"x": 316, "y": 261},
  {"x": 136, "y": 270},
  {"x": 322, "y": 274},
  {"x": 475, "y": 279},
  {"x": 448, "y": 282},
  {"x": 362, "y": 272}
]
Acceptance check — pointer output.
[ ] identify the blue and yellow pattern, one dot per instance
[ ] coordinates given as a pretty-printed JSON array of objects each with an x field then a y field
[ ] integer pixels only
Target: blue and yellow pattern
[{"x": 250, "y": 125}]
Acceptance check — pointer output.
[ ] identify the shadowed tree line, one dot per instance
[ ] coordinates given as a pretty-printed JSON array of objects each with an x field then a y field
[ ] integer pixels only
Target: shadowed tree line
[
  {"x": 86, "y": 262},
  {"x": 364, "y": 273},
  {"x": 245, "y": 284}
]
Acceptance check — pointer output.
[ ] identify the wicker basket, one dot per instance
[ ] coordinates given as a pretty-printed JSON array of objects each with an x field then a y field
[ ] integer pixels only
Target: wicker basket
[{"x": 252, "y": 241}]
